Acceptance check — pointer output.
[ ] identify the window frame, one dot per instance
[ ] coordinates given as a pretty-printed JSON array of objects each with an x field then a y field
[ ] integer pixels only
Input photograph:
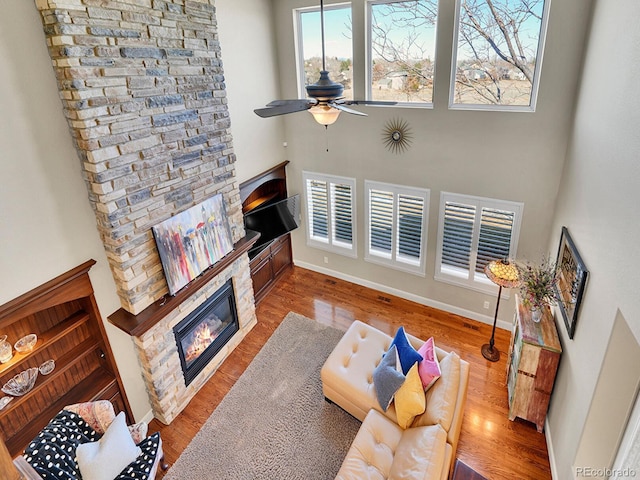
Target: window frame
[
  {"x": 494, "y": 107},
  {"x": 330, "y": 244},
  {"x": 393, "y": 261},
  {"x": 368, "y": 57},
  {"x": 298, "y": 38},
  {"x": 474, "y": 280}
]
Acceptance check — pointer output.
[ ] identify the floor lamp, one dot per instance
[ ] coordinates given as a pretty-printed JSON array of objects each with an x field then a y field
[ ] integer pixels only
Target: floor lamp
[{"x": 503, "y": 274}]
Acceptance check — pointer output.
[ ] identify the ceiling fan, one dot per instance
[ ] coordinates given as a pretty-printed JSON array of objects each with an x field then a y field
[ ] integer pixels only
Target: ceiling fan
[{"x": 326, "y": 100}]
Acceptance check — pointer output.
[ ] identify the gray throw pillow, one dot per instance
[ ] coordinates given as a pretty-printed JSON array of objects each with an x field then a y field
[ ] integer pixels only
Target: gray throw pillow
[{"x": 386, "y": 378}]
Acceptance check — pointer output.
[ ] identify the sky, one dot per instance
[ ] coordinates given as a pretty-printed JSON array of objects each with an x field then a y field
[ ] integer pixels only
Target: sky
[{"x": 338, "y": 34}]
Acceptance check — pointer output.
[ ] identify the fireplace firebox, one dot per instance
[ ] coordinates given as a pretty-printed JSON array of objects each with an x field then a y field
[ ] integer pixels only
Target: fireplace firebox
[{"x": 206, "y": 330}]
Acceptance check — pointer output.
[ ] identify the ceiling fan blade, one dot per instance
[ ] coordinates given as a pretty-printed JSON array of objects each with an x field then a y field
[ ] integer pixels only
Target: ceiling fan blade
[
  {"x": 345, "y": 109},
  {"x": 367, "y": 102},
  {"x": 297, "y": 101},
  {"x": 283, "y": 109}
]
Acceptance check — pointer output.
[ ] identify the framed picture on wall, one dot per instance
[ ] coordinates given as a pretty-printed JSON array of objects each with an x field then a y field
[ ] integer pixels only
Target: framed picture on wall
[{"x": 572, "y": 278}]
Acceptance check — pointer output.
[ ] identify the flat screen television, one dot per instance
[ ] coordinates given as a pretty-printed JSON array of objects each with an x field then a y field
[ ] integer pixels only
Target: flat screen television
[{"x": 273, "y": 220}]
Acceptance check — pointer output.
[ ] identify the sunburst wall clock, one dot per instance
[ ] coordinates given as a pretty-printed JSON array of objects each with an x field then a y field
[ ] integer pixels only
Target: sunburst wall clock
[{"x": 397, "y": 135}]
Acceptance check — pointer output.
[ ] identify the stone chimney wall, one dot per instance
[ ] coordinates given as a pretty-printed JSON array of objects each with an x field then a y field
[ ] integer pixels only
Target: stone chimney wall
[{"x": 142, "y": 87}]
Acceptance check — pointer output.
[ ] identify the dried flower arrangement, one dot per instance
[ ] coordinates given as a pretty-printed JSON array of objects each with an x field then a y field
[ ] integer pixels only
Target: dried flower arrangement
[{"x": 538, "y": 282}]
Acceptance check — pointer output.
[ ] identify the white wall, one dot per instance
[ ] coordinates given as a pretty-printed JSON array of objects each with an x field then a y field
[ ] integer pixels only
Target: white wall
[
  {"x": 47, "y": 225},
  {"x": 509, "y": 156},
  {"x": 250, "y": 68},
  {"x": 598, "y": 202}
]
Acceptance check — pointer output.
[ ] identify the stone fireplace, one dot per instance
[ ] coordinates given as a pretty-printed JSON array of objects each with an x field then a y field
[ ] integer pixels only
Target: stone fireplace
[{"x": 142, "y": 88}]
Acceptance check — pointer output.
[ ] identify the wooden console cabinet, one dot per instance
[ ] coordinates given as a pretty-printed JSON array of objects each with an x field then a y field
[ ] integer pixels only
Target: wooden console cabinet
[
  {"x": 267, "y": 266},
  {"x": 271, "y": 262},
  {"x": 532, "y": 365}
]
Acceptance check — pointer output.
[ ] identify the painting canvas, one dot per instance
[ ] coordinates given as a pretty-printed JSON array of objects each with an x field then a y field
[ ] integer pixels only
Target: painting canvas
[
  {"x": 572, "y": 278},
  {"x": 192, "y": 241}
]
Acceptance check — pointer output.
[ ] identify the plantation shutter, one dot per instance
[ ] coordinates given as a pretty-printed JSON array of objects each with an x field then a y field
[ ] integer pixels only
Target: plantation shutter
[
  {"x": 381, "y": 220},
  {"x": 318, "y": 206},
  {"x": 396, "y": 226},
  {"x": 342, "y": 201},
  {"x": 410, "y": 216},
  {"x": 330, "y": 212},
  {"x": 495, "y": 236},
  {"x": 457, "y": 237}
]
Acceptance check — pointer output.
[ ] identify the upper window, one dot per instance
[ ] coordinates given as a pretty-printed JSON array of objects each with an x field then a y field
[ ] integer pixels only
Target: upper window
[
  {"x": 396, "y": 229},
  {"x": 498, "y": 48},
  {"x": 338, "y": 47},
  {"x": 472, "y": 231},
  {"x": 331, "y": 212},
  {"x": 402, "y": 50}
]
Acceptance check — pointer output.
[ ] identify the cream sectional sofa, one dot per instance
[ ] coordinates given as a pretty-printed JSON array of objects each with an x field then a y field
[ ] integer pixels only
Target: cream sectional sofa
[{"x": 381, "y": 449}]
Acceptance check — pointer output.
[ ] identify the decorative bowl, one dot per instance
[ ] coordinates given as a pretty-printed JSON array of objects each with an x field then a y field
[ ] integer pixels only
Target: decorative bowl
[
  {"x": 26, "y": 343},
  {"x": 21, "y": 383},
  {"x": 4, "y": 401},
  {"x": 47, "y": 367}
]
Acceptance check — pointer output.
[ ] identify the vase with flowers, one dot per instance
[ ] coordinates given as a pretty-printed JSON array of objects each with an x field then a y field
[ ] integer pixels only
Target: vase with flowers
[{"x": 537, "y": 285}]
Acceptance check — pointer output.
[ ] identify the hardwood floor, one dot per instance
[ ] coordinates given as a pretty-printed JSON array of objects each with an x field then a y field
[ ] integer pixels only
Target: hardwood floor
[{"x": 489, "y": 443}]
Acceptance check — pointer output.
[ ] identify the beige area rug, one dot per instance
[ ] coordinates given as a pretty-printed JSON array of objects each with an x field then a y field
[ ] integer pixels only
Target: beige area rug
[{"x": 274, "y": 423}]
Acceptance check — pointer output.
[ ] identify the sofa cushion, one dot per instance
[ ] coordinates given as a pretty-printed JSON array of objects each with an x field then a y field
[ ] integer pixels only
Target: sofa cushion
[
  {"x": 408, "y": 355},
  {"x": 106, "y": 458},
  {"x": 386, "y": 378},
  {"x": 442, "y": 396},
  {"x": 420, "y": 454},
  {"x": 409, "y": 399},
  {"x": 372, "y": 452},
  {"x": 429, "y": 367},
  {"x": 347, "y": 375}
]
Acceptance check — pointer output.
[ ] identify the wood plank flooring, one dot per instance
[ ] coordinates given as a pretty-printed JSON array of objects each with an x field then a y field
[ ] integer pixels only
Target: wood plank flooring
[{"x": 489, "y": 443}]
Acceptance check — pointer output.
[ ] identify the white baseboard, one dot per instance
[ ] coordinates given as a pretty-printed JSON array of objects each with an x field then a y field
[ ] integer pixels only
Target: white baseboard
[
  {"x": 552, "y": 458},
  {"x": 407, "y": 296}
]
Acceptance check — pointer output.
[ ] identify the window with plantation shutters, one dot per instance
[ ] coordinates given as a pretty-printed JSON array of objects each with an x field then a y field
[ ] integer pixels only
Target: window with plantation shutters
[
  {"x": 472, "y": 232},
  {"x": 396, "y": 226},
  {"x": 330, "y": 212}
]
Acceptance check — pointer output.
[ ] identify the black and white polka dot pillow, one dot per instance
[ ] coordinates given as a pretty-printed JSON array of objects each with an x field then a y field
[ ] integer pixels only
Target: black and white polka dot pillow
[{"x": 52, "y": 453}]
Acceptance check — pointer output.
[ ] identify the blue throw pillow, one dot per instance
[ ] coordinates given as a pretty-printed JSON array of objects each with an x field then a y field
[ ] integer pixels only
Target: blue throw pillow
[
  {"x": 408, "y": 355},
  {"x": 387, "y": 379}
]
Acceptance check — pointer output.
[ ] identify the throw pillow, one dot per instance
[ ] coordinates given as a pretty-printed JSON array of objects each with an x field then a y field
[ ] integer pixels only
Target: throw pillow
[
  {"x": 442, "y": 398},
  {"x": 429, "y": 367},
  {"x": 386, "y": 378},
  {"x": 410, "y": 399},
  {"x": 52, "y": 452},
  {"x": 106, "y": 458},
  {"x": 408, "y": 355}
]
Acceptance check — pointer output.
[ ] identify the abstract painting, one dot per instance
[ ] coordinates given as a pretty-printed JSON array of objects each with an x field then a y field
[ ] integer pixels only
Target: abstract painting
[{"x": 192, "y": 241}]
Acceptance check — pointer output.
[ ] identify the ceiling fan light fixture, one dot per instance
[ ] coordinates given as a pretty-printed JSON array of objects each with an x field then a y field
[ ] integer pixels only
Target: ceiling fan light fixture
[{"x": 324, "y": 114}]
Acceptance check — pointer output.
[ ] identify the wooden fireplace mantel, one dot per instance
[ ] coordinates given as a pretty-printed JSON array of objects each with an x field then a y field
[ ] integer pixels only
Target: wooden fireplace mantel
[{"x": 137, "y": 325}]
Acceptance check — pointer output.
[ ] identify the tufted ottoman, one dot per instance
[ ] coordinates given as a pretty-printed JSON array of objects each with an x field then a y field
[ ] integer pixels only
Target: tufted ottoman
[{"x": 347, "y": 380}]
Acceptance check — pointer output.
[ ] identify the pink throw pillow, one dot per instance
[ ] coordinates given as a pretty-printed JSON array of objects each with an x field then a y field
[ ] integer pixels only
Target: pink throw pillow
[{"x": 428, "y": 368}]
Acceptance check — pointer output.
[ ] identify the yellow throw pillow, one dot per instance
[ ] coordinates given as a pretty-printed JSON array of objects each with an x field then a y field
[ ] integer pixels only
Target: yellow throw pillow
[{"x": 410, "y": 399}]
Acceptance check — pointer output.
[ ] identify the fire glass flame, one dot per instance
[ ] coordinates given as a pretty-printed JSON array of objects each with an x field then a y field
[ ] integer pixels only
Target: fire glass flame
[{"x": 201, "y": 337}]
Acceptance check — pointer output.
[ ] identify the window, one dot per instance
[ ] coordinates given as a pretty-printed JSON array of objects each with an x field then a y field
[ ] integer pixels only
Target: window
[
  {"x": 402, "y": 39},
  {"x": 331, "y": 212},
  {"x": 473, "y": 231},
  {"x": 338, "y": 47},
  {"x": 498, "y": 48},
  {"x": 396, "y": 228}
]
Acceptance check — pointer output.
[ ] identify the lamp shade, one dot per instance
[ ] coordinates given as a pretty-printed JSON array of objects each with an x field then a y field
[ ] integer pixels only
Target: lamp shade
[
  {"x": 324, "y": 114},
  {"x": 502, "y": 273}
]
